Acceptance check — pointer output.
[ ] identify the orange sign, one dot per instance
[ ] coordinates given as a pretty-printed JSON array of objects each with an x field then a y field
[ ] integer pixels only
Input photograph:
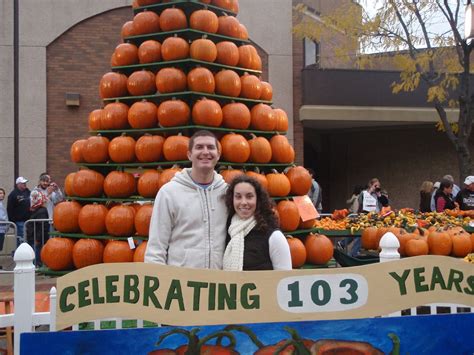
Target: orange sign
[{"x": 305, "y": 208}]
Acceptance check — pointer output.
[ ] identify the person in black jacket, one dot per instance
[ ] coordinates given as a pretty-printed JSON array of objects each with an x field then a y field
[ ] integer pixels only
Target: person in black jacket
[
  {"x": 18, "y": 206},
  {"x": 465, "y": 197},
  {"x": 443, "y": 197},
  {"x": 426, "y": 190}
]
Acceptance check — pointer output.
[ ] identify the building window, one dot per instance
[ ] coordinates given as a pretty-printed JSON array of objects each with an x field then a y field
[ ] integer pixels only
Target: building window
[{"x": 311, "y": 52}]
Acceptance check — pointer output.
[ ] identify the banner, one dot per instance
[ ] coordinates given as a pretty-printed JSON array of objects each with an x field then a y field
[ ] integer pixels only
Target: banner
[{"x": 186, "y": 297}]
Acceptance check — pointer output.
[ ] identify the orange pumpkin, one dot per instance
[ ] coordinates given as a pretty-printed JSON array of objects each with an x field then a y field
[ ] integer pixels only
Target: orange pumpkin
[
  {"x": 281, "y": 120},
  {"x": 119, "y": 184},
  {"x": 278, "y": 184},
  {"x": 230, "y": 174},
  {"x": 127, "y": 30},
  {"x": 95, "y": 120},
  {"x": 300, "y": 180},
  {"x": 207, "y": 112},
  {"x": 416, "y": 246},
  {"x": 243, "y": 33},
  {"x": 174, "y": 48},
  {"x": 262, "y": 118},
  {"x": 65, "y": 216},
  {"x": 87, "y": 252},
  {"x": 69, "y": 185},
  {"x": 141, "y": 83},
  {"x": 201, "y": 80},
  {"x": 204, "y": 20},
  {"x": 139, "y": 256},
  {"x": 175, "y": 148},
  {"x": 167, "y": 175},
  {"x": 88, "y": 183},
  {"x": 124, "y": 54},
  {"x": 146, "y": 22},
  {"x": 235, "y": 148},
  {"x": 149, "y": 183},
  {"x": 122, "y": 149},
  {"x": 228, "y": 83},
  {"x": 76, "y": 151},
  {"x": 149, "y": 148},
  {"x": 289, "y": 215},
  {"x": 56, "y": 254},
  {"x": 228, "y": 26},
  {"x": 170, "y": 80},
  {"x": 319, "y": 249},
  {"x": 96, "y": 149},
  {"x": 120, "y": 221},
  {"x": 369, "y": 238},
  {"x": 203, "y": 49},
  {"x": 297, "y": 251},
  {"x": 173, "y": 19},
  {"x": 259, "y": 177},
  {"x": 249, "y": 57},
  {"x": 92, "y": 219},
  {"x": 461, "y": 244},
  {"x": 403, "y": 239},
  {"x": 113, "y": 85},
  {"x": 173, "y": 113},
  {"x": 149, "y": 52},
  {"x": 227, "y": 53},
  {"x": 115, "y": 116},
  {"x": 142, "y": 114},
  {"x": 282, "y": 151},
  {"x": 142, "y": 220},
  {"x": 251, "y": 87},
  {"x": 118, "y": 251},
  {"x": 236, "y": 115},
  {"x": 440, "y": 242},
  {"x": 260, "y": 150},
  {"x": 267, "y": 91}
]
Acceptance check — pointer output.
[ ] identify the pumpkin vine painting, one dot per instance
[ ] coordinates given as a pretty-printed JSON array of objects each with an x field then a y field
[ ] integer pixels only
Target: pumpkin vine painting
[{"x": 441, "y": 334}]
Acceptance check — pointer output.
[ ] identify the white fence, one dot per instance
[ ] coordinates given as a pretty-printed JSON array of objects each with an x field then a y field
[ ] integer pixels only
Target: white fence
[{"x": 25, "y": 319}]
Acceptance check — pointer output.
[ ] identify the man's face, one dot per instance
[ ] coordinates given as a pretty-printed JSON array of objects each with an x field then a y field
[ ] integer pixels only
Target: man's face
[
  {"x": 204, "y": 154},
  {"x": 44, "y": 182},
  {"x": 21, "y": 187},
  {"x": 470, "y": 187}
]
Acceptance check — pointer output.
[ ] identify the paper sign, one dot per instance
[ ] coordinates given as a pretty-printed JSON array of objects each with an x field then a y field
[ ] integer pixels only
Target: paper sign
[
  {"x": 131, "y": 244},
  {"x": 305, "y": 208}
]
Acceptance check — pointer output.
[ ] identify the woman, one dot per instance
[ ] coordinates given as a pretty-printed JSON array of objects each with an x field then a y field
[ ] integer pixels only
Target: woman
[
  {"x": 3, "y": 218},
  {"x": 253, "y": 241},
  {"x": 443, "y": 197},
  {"x": 373, "y": 199},
  {"x": 353, "y": 202},
  {"x": 425, "y": 196}
]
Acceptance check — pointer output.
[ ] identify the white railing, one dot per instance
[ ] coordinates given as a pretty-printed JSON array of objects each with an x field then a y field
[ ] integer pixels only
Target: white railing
[{"x": 25, "y": 319}]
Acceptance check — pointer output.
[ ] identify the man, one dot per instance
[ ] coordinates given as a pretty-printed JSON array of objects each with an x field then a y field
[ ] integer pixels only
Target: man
[
  {"x": 188, "y": 223},
  {"x": 465, "y": 197},
  {"x": 315, "y": 193},
  {"x": 18, "y": 206},
  {"x": 50, "y": 190}
]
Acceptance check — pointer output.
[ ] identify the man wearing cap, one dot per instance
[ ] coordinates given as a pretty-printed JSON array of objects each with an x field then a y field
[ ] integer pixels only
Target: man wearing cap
[
  {"x": 18, "y": 206},
  {"x": 465, "y": 197}
]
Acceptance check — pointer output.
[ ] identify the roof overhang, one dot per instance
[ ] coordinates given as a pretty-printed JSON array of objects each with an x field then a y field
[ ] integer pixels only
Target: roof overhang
[{"x": 344, "y": 117}]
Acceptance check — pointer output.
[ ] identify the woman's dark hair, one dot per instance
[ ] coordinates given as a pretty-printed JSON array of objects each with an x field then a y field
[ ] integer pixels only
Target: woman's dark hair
[
  {"x": 4, "y": 193},
  {"x": 264, "y": 214},
  {"x": 445, "y": 183}
]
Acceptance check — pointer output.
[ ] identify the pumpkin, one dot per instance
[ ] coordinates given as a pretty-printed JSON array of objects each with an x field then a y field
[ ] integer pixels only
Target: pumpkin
[
  {"x": 167, "y": 175},
  {"x": 115, "y": 116},
  {"x": 300, "y": 180},
  {"x": 175, "y": 148},
  {"x": 236, "y": 115},
  {"x": 142, "y": 220},
  {"x": 149, "y": 149},
  {"x": 124, "y": 54},
  {"x": 297, "y": 251},
  {"x": 139, "y": 256},
  {"x": 228, "y": 26},
  {"x": 122, "y": 149},
  {"x": 278, "y": 184},
  {"x": 127, "y": 30},
  {"x": 235, "y": 148},
  {"x": 76, "y": 151},
  {"x": 281, "y": 120},
  {"x": 95, "y": 119},
  {"x": 289, "y": 215},
  {"x": 170, "y": 80},
  {"x": 251, "y": 87},
  {"x": 267, "y": 91},
  {"x": 69, "y": 185},
  {"x": 262, "y": 118},
  {"x": 230, "y": 174},
  {"x": 243, "y": 33},
  {"x": 440, "y": 242},
  {"x": 113, "y": 85},
  {"x": 201, "y": 80},
  {"x": 87, "y": 252},
  {"x": 204, "y": 20},
  {"x": 149, "y": 52},
  {"x": 309, "y": 224},
  {"x": 56, "y": 254},
  {"x": 249, "y": 57},
  {"x": 92, "y": 219},
  {"x": 141, "y": 83},
  {"x": 369, "y": 239},
  {"x": 227, "y": 53},
  {"x": 173, "y": 19},
  {"x": 416, "y": 246},
  {"x": 174, "y": 48},
  {"x": 380, "y": 233},
  {"x": 203, "y": 49},
  {"x": 259, "y": 177},
  {"x": 88, "y": 183},
  {"x": 472, "y": 240},
  {"x": 65, "y": 216},
  {"x": 96, "y": 149},
  {"x": 173, "y": 113},
  {"x": 207, "y": 112},
  {"x": 403, "y": 239},
  {"x": 461, "y": 244},
  {"x": 142, "y": 114},
  {"x": 228, "y": 83},
  {"x": 282, "y": 151},
  {"x": 146, "y": 22},
  {"x": 120, "y": 221},
  {"x": 148, "y": 183},
  {"x": 119, "y": 184},
  {"x": 260, "y": 150},
  {"x": 319, "y": 249},
  {"x": 118, "y": 251}
]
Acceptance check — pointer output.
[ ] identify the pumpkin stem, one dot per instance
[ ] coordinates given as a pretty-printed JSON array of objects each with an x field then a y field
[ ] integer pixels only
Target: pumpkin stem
[
  {"x": 245, "y": 330},
  {"x": 184, "y": 332},
  {"x": 296, "y": 341},
  {"x": 218, "y": 335},
  {"x": 396, "y": 344}
]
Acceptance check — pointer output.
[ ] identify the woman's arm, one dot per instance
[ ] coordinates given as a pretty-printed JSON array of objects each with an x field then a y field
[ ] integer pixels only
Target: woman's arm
[{"x": 279, "y": 251}]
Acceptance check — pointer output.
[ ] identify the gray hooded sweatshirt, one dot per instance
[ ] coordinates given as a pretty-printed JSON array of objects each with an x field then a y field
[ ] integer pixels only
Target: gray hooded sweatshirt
[{"x": 188, "y": 224}]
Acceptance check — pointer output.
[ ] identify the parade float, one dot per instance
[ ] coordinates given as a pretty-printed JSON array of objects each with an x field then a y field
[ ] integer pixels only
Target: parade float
[{"x": 188, "y": 65}]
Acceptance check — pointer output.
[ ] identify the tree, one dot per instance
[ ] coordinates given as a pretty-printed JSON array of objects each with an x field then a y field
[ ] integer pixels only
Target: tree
[{"x": 425, "y": 44}]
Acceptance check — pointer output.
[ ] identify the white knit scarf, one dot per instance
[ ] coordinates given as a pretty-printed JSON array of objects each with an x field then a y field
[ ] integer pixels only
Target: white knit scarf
[{"x": 234, "y": 252}]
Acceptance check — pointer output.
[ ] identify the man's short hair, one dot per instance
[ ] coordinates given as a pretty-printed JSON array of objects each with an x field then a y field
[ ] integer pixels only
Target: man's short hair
[
  {"x": 44, "y": 177},
  {"x": 200, "y": 133}
]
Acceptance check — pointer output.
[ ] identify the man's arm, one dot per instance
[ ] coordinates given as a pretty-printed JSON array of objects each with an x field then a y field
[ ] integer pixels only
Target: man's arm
[{"x": 57, "y": 196}]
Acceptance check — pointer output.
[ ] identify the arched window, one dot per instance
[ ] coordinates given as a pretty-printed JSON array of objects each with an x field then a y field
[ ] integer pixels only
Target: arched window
[{"x": 311, "y": 52}]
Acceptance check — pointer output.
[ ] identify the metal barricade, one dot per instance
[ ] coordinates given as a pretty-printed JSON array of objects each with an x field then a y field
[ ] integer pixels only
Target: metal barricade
[
  {"x": 36, "y": 232},
  {"x": 6, "y": 227}
]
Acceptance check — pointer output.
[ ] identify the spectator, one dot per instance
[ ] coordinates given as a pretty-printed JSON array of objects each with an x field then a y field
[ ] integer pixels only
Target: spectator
[
  {"x": 443, "y": 197},
  {"x": 49, "y": 189},
  {"x": 18, "y": 206},
  {"x": 253, "y": 241},
  {"x": 465, "y": 197},
  {"x": 426, "y": 190},
  {"x": 456, "y": 188},
  {"x": 353, "y": 202},
  {"x": 3, "y": 218},
  {"x": 433, "y": 203},
  {"x": 315, "y": 193},
  {"x": 188, "y": 223},
  {"x": 372, "y": 199}
]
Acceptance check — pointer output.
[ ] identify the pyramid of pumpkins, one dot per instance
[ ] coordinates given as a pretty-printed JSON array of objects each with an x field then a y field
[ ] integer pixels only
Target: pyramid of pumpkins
[{"x": 148, "y": 109}]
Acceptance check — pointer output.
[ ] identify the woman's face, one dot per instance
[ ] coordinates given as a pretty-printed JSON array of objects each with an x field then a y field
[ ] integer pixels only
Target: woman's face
[
  {"x": 2, "y": 195},
  {"x": 448, "y": 190},
  {"x": 245, "y": 200}
]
